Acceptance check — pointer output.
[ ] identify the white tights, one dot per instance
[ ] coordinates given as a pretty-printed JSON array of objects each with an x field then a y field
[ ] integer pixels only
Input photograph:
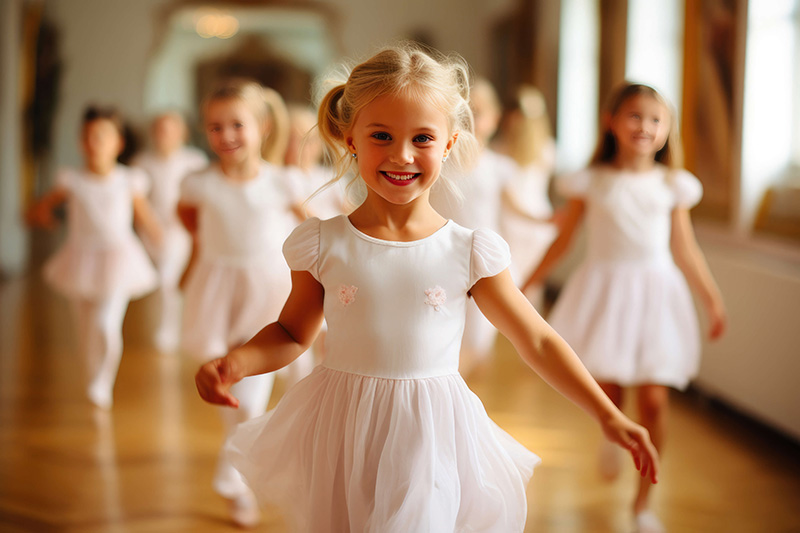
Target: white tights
[{"x": 99, "y": 324}]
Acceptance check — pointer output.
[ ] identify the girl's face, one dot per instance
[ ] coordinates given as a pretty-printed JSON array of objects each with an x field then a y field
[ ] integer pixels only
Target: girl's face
[
  {"x": 234, "y": 133},
  {"x": 400, "y": 142},
  {"x": 640, "y": 126},
  {"x": 102, "y": 143}
]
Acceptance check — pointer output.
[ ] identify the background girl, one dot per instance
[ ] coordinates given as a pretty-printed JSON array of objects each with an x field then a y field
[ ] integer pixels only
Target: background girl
[
  {"x": 102, "y": 265},
  {"x": 627, "y": 309},
  {"x": 482, "y": 194},
  {"x": 167, "y": 162},
  {"x": 238, "y": 212},
  {"x": 526, "y": 138},
  {"x": 385, "y": 435}
]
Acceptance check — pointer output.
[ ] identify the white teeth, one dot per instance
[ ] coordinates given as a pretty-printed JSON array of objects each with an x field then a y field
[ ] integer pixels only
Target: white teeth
[{"x": 400, "y": 177}]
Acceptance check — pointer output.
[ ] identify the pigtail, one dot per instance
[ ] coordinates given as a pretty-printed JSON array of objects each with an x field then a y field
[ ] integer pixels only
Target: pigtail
[{"x": 277, "y": 139}]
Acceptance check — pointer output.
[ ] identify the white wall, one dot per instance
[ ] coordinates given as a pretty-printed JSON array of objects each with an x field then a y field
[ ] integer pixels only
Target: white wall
[
  {"x": 106, "y": 46},
  {"x": 755, "y": 367}
]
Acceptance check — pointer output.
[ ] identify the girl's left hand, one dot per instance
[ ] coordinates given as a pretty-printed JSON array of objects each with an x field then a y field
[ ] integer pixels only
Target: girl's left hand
[
  {"x": 718, "y": 319},
  {"x": 634, "y": 438}
]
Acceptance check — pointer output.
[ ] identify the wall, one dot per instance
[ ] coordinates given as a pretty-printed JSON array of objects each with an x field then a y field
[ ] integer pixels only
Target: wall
[{"x": 755, "y": 366}]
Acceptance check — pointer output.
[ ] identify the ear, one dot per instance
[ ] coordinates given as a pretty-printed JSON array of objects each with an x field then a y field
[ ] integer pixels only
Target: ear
[
  {"x": 606, "y": 119},
  {"x": 451, "y": 143},
  {"x": 348, "y": 141}
]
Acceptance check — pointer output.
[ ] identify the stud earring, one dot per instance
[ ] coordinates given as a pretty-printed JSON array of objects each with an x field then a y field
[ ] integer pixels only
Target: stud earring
[
  {"x": 355, "y": 156},
  {"x": 444, "y": 158}
]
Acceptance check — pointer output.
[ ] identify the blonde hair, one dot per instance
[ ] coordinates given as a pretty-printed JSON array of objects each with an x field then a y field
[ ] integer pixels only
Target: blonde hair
[
  {"x": 407, "y": 69},
  {"x": 267, "y": 106},
  {"x": 528, "y": 137},
  {"x": 671, "y": 154}
]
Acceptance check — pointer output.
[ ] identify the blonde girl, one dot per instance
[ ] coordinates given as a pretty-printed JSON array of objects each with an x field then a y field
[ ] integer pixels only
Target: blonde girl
[
  {"x": 627, "y": 309},
  {"x": 384, "y": 435},
  {"x": 526, "y": 138},
  {"x": 238, "y": 212},
  {"x": 102, "y": 265}
]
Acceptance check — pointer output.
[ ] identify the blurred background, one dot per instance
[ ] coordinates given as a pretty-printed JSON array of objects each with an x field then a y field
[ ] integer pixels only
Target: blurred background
[{"x": 730, "y": 67}]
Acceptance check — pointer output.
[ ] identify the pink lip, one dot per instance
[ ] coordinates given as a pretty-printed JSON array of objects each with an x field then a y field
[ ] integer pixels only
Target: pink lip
[{"x": 401, "y": 183}]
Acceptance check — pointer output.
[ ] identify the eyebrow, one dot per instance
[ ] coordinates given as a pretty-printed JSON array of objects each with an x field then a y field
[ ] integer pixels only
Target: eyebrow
[{"x": 423, "y": 128}]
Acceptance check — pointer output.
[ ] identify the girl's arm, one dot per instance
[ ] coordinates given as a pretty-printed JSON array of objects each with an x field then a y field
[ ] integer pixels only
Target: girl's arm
[
  {"x": 552, "y": 358},
  {"x": 145, "y": 218},
  {"x": 40, "y": 214},
  {"x": 690, "y": 260},
  {"x": 272, "y": 348},
  {"x": 567, "y": 220}
]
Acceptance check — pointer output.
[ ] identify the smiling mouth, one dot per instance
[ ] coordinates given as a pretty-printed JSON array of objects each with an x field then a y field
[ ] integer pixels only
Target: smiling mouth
[{"x": 400, "y": 178}]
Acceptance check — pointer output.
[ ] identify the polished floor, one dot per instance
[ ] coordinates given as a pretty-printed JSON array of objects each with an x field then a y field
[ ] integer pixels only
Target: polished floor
[{"x": 146, "y": 466}]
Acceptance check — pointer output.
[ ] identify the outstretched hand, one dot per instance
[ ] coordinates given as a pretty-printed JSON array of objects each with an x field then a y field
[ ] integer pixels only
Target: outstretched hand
[
  {"x": 214, "y": 380},
  {"x": 636, "y": 440}
]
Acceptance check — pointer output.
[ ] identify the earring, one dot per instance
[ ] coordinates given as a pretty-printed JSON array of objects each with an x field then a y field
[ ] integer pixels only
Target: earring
[
  {"x": 355, "y": 156},
  {"x": 444, "y": 158}
]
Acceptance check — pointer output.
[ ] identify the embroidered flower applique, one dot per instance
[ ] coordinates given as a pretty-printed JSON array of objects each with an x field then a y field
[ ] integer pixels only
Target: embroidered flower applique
[
  {"x": 436, "y": 297},
  {"x": 347, "y": 294}
]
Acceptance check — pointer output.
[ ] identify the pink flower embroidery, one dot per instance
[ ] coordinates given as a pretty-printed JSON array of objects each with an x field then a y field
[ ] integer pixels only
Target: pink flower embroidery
[
  {"x": 347, "y": 294},
  {"x": 436, "y": 297}
]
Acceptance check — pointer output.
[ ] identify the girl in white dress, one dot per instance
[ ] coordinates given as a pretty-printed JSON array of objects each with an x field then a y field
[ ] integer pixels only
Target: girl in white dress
[
  {"x": 384, "y": 435},
  {"x": 526, "y": 138},
  {"x": 484, "y": 192},
  {"x": 167, "y": 162},
  {"x": 238, "y": 212},
  {"x": 102, "y": 265},
  {"x": 627, "y": 310}
]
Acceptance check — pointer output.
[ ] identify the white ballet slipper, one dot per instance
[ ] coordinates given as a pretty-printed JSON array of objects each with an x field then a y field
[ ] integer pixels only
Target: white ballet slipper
[
  {"x": 100, "y": 396},
  {"x": 244, "y": 511},
  {"x": 648, "y": 522}
]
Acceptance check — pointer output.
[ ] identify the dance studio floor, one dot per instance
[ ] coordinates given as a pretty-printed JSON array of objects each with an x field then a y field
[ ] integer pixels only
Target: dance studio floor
[{"x": 146, "y": 466}]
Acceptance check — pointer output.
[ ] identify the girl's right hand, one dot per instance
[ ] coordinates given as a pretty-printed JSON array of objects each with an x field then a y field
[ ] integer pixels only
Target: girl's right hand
[
  {"x": 214, "y": 380},
  {"x": 634, "y": 438},
  {"x": 718, "y": 319}
]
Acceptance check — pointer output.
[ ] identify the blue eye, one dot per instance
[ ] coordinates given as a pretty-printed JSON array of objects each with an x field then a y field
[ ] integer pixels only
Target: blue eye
[
  {"x": 382, "y": 136},
  {"x": 657, "y": 120},
  {"x": 422, "y": 139}
]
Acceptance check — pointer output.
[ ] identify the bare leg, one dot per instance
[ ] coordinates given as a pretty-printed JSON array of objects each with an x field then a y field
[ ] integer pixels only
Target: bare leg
[{"x": 653, "y": 401}]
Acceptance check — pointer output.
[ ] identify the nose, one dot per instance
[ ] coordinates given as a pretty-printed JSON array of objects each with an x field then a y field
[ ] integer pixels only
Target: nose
[{"x": 402, "y": 154}]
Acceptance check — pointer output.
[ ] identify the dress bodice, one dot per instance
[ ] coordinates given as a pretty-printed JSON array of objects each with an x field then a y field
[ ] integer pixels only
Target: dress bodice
[
  {"x": 628, "y": 214},
  {"x": 394, "y": 309}
]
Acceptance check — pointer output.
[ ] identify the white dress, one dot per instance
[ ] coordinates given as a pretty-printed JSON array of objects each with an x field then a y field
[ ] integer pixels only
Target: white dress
[
  {"x": 385, "y": 436},
  {"x": 627, "y": 310},
  {"x": 102, "y": 256},
  {"x": 166, "y": 174},
  {"x": 239, "y": 283},
  {"x": 302, "y": 185}
]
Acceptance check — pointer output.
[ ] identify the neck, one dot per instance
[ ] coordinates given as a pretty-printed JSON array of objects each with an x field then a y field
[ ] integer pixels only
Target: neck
[
  {"x": 243, "y": 170},
  {"x": 101, "y": 168},
  {"x": 165, "y": 152},
  {"x": 406, "y": 222},
  {"x": 635, "y": 162}
]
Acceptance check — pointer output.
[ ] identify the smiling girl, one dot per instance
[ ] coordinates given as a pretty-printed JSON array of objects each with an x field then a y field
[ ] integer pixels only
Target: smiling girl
[
  {"x": 627, "y": 309},
  {"x": 385, "y": 435},
  {"x": 238, "y": 212}
]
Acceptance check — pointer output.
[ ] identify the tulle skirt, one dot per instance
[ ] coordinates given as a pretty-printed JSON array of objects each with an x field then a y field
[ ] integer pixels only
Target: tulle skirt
[
  {"x": 94, "y": 272},
  {"x": 630, "y": 322},
  {"x": 227, "y": 303},
  {"x": 344, "y": 452}
]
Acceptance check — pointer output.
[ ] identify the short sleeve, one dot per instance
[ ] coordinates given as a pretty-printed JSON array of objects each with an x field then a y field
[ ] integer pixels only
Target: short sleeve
[
  {"x": 192, "y": 188},
  {"x": 573, "y": 185},
  {"x": 687, "y": 189},
  {"x": 138, "y": 181},
  {"x": 490, "y": 255},
  {"x": 301, "y": 249}
]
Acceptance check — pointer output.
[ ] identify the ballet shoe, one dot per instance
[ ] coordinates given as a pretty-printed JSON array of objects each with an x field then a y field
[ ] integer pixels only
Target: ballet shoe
[
  {"x": 100, "y": 398},
  {"x": 608, "y": 461},
  {"x": 244, "y": 511},
  {"x": 648, "y": 522}
]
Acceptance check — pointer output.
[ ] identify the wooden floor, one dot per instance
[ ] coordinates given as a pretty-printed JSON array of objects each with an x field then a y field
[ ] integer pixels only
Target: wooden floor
[{"x": 147, "y": 465}]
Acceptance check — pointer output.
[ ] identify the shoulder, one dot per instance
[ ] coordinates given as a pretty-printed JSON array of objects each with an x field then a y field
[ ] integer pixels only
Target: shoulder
[
  {"x": 489, "y": 254},
  {"x": 66, "y": 178},
  {"x": 195, "y": 184},
  {"x": 685, "y": 186},
  {"x": 136, "y": 179},
  {"x": 576, "y": 184},
  {"x": 301, "y": 248}
]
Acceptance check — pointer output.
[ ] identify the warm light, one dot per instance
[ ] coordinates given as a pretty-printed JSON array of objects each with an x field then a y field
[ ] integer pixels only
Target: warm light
[{"x": 213, "y": 23}]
